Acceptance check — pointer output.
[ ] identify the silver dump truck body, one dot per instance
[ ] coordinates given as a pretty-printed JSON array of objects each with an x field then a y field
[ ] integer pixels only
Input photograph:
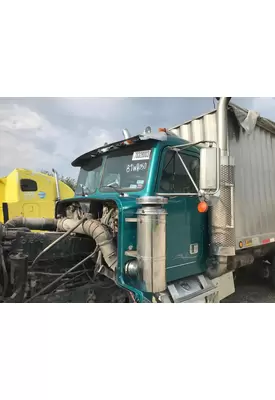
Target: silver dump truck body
[{"x": 251, "y": 141}]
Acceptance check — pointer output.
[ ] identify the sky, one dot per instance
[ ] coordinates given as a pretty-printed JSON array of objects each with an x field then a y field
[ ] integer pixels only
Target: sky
[{"x": 46, "y": 133}]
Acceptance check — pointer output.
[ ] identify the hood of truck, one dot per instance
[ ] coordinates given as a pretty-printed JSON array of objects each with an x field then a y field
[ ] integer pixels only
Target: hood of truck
[{"x": 103, "y": 196}]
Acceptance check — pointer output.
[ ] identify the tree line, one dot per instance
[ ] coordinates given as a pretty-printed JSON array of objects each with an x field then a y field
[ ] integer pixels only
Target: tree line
[{"x": 66, "y": 179}]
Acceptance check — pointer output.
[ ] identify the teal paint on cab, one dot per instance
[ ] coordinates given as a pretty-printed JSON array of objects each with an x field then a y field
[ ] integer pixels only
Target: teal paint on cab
[{"x": 185, "y": 225}]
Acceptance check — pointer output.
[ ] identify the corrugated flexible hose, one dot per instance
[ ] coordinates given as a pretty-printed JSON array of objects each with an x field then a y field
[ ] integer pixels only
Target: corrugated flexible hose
[
  {"x": 99, "y": 232},
  {"x": 93, "y": 228}
]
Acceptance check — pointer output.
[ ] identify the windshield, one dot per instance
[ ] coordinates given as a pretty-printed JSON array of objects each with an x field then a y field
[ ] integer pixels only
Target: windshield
[
  {"x": 127, "y": 169},
  {"x": 89, "y": 177},
  {"x": 121, "y": 170}
]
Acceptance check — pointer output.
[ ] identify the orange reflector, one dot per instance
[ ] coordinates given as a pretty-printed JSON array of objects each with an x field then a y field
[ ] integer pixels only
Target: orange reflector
[
  {"x": 162, "y": 129},
  {"x": 202, "y": 207},
  {"x": 128, "y": 142}
]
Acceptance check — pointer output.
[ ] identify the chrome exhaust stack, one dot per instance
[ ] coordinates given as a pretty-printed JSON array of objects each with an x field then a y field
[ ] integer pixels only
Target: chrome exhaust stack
[
  {"x": 222, "y": 218},
  {"x": 56, "y": 184},
  {"x": 222, "y": 124}
]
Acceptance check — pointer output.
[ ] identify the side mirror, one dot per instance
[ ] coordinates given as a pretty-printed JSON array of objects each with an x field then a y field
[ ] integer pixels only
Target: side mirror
[{"x": 209, "y": 169}]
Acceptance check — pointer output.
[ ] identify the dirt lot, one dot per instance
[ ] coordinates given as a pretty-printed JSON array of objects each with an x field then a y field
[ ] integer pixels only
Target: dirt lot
[{"x": 251, "y": 289}]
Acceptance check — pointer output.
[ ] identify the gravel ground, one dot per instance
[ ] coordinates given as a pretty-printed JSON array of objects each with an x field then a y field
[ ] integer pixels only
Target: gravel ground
[{"x": 251, "y": 289}]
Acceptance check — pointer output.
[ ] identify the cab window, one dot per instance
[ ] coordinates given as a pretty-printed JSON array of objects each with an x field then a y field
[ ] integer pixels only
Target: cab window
[
  {"x": 28, "y": 185},
  {"x": 174, "y": 178}
]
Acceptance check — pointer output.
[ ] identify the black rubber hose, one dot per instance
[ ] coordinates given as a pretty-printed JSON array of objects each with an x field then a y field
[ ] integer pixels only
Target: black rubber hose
[{"x": 37, "y": 224}]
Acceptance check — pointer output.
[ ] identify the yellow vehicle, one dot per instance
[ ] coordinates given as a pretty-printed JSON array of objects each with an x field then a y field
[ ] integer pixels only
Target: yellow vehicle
[{"x": 30, "y": 194}]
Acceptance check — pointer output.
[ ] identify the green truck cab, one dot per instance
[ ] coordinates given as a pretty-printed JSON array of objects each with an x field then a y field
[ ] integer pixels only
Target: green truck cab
[
  {"x": 150, "y": 167},
  {"x": 166, "y": 217}
]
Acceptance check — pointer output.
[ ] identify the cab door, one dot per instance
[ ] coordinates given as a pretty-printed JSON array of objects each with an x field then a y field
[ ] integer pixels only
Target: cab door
[
  {"x": 185, "y": 229},
  {"x": 30, "y": 210}
]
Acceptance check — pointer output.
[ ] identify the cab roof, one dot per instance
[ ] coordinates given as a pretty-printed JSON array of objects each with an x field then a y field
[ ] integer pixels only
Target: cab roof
[{"x": 120, "y": 144}]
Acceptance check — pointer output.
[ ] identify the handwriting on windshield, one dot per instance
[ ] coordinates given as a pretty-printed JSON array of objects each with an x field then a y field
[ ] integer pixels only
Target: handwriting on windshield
[{"x": 136, "y": 167}]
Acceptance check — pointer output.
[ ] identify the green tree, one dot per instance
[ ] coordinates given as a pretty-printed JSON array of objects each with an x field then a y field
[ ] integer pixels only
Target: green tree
[{"x": 66, "y": 179}]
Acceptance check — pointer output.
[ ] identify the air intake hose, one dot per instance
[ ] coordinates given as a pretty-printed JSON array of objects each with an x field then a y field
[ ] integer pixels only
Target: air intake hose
[
  {"x": 93, "y": 228},
  {"x": 100, "y": 233},
  {"x": 37, "y": 224}
]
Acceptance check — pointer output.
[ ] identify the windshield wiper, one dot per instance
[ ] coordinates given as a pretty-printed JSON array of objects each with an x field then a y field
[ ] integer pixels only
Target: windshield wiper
[
  {"x": 83, "y": 188},
  {"x": 113, "y": 187}
]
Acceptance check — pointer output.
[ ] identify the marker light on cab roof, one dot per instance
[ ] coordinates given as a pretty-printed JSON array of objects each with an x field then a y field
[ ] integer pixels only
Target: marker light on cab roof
[{"x": 148, "y": 130}]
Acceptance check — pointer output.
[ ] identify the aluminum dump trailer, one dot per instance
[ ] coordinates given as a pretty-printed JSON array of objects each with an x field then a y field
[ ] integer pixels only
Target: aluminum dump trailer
[{"x": 251, "y": 142}]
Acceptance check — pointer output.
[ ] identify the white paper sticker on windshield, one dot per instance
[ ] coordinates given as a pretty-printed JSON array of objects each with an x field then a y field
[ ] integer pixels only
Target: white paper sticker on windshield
[{"x": 141, "y": 155}]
